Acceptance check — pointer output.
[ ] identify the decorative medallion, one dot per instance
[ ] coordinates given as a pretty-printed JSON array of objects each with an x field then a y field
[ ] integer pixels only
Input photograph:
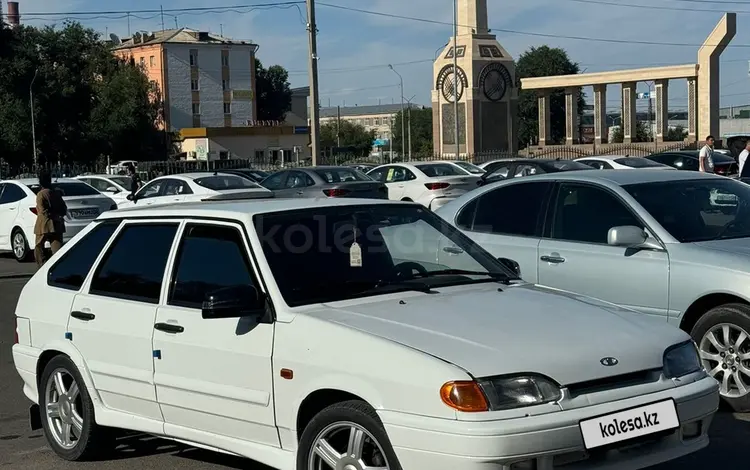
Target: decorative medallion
[
  {"x": 494, "y": 81},
  {"x": 461, "y": 52},
  {"x": 452, "y": 88},
  {"x": 490, "y": 51}
]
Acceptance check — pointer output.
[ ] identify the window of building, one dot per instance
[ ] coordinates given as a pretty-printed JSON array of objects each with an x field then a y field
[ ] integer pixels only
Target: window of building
[
  {"x": 194, "y": 85},
  {"x": 152, "y": 61},
  {"x": 196, "y": 109},
  {"x": 227, "y": 108},
  {"x": 260, "y": 155},
  {"x": 194, "y": 58},
  {"x": 143, "y": 61}
]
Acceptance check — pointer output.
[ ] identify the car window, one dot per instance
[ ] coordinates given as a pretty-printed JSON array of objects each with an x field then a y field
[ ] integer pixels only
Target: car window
[
  {"x": 585, "y": 213},
  {"x": 71, "y": 189},
  {"x": 225, "y": 182},
  {"x": 132, "y": 269},
  {"x": 597, "y": 164},
  {"x": 98, "y": 184},
  {"x": 470, "y": 167},
  {"x": 211, "y": 257},
  {"x": 378, "y": 175},
  {"x": 686, "y": 163},
  {"x": 11, "y": 193},
  {"x": 637, "y": 162},
  {"x": 176, "y": 188},
  {"x": 663, "y": 158},
  {"x": 526, "y": 169},
  {"x": 153, "y": 189},
  {"x": 516, "y": 209},
  {"x": 71, "y": 270},
  {"x": 124, "y": 181},
  {"x": 274, "y": 181},
  {"x": 297, "y": 179},
  {"x": 498, "y": 172},
  {"x": 398, "y": 174},
  {"x": 563, "y": 165},
  {"x": 434, "y": 170},
  {"x": 341, "y": 175}
]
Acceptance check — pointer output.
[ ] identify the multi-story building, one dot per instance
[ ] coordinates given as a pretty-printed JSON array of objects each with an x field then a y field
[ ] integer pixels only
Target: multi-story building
[{"x": 379, "y": 118}]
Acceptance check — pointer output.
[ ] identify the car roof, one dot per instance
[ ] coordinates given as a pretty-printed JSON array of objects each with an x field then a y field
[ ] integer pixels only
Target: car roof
[
  {"x": 609, "y": 158},
  {"x": 34, "y": 181},
  {"x": 98, "y": 175},
  {"x": 622, "y": 178}
]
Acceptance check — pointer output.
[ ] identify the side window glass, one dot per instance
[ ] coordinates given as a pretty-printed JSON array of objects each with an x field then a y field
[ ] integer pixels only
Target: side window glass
[
  {"x": 171, "y": 188},
  {"x": 295, "y": 180},
  {"x": 151, "y": 190},
  {"x": 99, "y": 185},
  {"x": 134, "y": 270},
  {"x": 210, "y": 258},
  {"x": 408, "y": 175},
  {"x": 396, "y": 175},
  {"x": 377, "y": 175},
  {"x": 690, "y": 164},
  {"x": 499, "y": 172},
  {"x": 586, "y": 213},
  {"x": 184, "y": 188},
  {"x": 308, "y": 180},
  {"x": 274, "y": 181},
  {"x": 512, "y": 210},
  {"x": 465, "y": 217},
  {"x": 11, "y": 193},
  {"x": 71, "y": 270},
  {"x": 525, "y": 170},
  {"x": 2, "y": 190}
]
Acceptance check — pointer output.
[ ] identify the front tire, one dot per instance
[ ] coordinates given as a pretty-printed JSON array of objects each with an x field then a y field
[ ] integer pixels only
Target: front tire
[
  {"x": 723, "y": 339},
  {"x": 20, "y": 245},
  {"x": 68, "y": 413},
  {"x": 346, "y": 435}
]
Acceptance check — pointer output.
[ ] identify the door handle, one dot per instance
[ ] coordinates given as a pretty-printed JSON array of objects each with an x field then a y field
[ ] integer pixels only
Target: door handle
[
  {"x": 82, "y": 315},
  {"x": 553, "y": 259},
  {"x": 12, "y": 208},
  {"x": 453, "y": 250},
  {"x": 169, "y": 328}
]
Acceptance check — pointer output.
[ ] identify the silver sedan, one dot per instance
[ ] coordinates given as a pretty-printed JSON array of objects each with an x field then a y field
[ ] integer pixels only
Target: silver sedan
[
  {"x": 673, "y": 245},
  {"x": 324, "y": 181}
]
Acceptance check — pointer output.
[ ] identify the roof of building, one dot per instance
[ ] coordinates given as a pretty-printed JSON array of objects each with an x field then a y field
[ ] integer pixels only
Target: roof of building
[
  {"x": 365, "y": 110},
  {"x": 178, "y": 36}
]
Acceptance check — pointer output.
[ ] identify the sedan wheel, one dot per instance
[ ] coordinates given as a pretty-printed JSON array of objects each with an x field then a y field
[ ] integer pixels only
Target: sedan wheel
[
  {"x": 725, "y": 351},
  {"x": 347, "y": 446},
  {"x": 20, "y": 246}
]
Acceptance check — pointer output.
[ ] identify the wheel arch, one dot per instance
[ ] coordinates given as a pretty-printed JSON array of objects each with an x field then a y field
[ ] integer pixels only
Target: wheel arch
[
  {"x": 317, "y": 401},
  {"x": 65, "y": 348},
  {"x": 704, "y": 304}
]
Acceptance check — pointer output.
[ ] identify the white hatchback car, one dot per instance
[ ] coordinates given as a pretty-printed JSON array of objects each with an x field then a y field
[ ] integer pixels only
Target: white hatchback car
[
  {"x": 347, "y": 335},
  {"x": 18, "y": 211}
]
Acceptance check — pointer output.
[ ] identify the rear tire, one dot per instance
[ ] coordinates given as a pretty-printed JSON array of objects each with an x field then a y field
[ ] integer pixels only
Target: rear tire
[{"x": 21, "y": 250}]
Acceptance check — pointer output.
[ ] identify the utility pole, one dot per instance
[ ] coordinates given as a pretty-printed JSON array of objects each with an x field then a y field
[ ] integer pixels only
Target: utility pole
[
  {"x": 409, "y": 115},
  {"x": 338, "y": 126},
  {"x": 403, "y": 116},
  {"x": 161, "y": 8},
  {"x": 314, "y": 105},
  {"x": 455, "y": 73},
  {"x": 33, "y": 125}
]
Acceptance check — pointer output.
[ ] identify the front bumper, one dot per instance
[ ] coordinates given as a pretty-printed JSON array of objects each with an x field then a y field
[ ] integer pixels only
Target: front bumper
[{"x": 553, "y": 440}]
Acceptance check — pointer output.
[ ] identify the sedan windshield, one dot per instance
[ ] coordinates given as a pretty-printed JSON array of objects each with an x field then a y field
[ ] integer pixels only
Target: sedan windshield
[
  {"x": 636, "y": 162},
  {"x": 440, "y": 169},
  {"x": 697, "y": 210},
  {"x": 347, "y": 252},
  {"x": 225, "y": 183}
]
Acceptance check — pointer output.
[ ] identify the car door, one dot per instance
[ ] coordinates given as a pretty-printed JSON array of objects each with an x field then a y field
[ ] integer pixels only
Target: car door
[
  {"x": 294, "y": 185},
  {"x": 507, "y": 221},
  {"x": 276, "y": 182},
  {"x": 575, "y": 256},
  {"x": 10, "y": 198},
  {"x": 112, "y": 319},
  {"x": 212, "y": 375},
  {"x": 400, "y": 182}
]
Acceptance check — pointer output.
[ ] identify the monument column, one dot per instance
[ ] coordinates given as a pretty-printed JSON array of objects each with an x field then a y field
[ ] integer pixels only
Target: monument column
[
  {"x": 571, "y": 115},
  {"x": 601, "y": 129},
  {"x": 709, "y": 88},
  {"x": 629, "y": 114},
  {"x": 545, "y": 122},
  {"x": 662, "y": 109},
  {"x": 692, "y": 129}
]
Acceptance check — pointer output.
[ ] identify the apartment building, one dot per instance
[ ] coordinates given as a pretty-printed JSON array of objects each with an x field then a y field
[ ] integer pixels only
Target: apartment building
[{"x": 379, "y": 118}]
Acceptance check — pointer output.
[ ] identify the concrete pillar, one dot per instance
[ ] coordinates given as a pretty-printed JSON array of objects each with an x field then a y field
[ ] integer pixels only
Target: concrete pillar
[
  {"x": 545, "y": 122},
  {"x": 571, "y": 115},
  {"x": 709, "y": 88},
  {"x": 629, "y": 112},
  {"x": 601, "y": 129},
  {"x": 692, "y": 129},
  {"x": 662, "y": 109}
]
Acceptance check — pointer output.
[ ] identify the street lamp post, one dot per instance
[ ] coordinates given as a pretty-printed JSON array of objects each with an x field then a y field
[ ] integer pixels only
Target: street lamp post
[
  {"x": 403, "y": 148},
  {"x": 408, "y": 101},
  {"x": 33, "y": 126},
  {"x": 455, "y": 73}
]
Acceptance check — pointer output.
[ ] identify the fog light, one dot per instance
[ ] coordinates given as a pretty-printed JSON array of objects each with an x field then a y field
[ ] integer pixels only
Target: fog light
[
  {"x": 691, "y": 430},
  {"x": 525, "y": 465}
]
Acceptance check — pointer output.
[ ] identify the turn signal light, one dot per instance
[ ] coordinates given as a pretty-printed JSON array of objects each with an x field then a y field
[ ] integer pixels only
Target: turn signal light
[
  {"x": 464, "y": 396},
  {"x": 33, "y": 210},
  {"x": 435, "y": 186}
]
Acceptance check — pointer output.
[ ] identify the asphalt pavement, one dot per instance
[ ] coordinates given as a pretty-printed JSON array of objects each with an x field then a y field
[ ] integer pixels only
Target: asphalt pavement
[{"x": 21, "y": 449}]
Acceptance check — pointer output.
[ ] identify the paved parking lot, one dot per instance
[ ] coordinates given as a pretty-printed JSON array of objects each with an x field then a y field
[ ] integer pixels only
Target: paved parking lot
[
  {"x": 10, "y": 268},
  {"x": 21, "y": 449}
]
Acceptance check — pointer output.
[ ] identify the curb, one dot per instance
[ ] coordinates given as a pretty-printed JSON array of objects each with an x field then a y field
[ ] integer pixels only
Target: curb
[{"x": 16, "y": 276}]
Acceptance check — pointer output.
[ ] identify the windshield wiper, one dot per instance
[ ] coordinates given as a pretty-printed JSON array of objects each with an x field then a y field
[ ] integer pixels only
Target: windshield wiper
[
  {"x": 405, "y": 285},
  {"x": 499, "y": 277}
]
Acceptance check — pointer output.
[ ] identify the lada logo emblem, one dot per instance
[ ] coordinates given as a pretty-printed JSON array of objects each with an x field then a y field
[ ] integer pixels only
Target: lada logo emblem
[{"x": 609, "y": 361}]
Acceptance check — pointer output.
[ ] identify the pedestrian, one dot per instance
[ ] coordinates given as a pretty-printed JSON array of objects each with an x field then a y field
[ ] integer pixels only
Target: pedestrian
[
  {"x": 706, "y": 156},
  {"x": 744, "y": 169},
  {"x": 50, "y": 218},
  {"x": 135, "y": 180}
]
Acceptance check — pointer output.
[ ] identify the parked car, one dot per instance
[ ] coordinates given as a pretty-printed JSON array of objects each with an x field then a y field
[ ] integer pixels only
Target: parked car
[
  {"x": 430, "y": 184},
  {"x": 192, "y": 187},
  {"x": 516, "y": 167},
  {"x": 469, "y": 167},
  {"x": 18, "y": 211},
  {"x": 362, "y": 167},
  {"x": 252, "y": 174},
  {"x": 621, "y": 162},
  {"x": 358, "y": 351},
  {"x": 114, "y": 186},
  {"x": 724, "y": 165},
  {"x": 324, "y": 181},
  {"x": 660, "y": 242}
]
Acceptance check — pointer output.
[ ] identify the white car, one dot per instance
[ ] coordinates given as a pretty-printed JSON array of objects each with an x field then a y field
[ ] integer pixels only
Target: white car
[
  {"x": 18, "y": 211},
  {"x": 115, "y": 186},
  {"x": 432, "y": 184},
  {"x": 312, "y": 337},
  {"x": 622, "y": 162},
  {"x": 191, "y": 187}
]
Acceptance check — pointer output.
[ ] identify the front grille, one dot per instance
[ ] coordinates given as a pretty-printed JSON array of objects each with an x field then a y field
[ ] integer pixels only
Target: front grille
[{"x": 614, "y": 382}]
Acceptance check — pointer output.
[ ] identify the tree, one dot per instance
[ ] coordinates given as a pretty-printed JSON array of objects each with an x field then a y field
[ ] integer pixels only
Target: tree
[
  {"x": 274, "y": 92},
  {"x": 642, "y": 133},
  {"x": 353, "y": 136},
  {"x": 421, "y": 131},
  {"x": 543, "y": 61},
  {"x": 676, "y": 134}
]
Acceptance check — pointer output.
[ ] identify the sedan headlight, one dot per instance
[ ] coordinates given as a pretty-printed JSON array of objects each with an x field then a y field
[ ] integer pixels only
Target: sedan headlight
[
  {"x": 505, "y": 393},
  {"x": 681, "y": 359}
]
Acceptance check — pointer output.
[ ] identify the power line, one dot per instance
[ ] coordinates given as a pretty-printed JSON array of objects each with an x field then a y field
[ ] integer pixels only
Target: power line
[{"x": 158, "y": 11}]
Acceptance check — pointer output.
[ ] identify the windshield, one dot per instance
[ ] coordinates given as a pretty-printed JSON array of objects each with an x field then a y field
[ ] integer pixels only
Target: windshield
[
  {"x": 635, "y": 162},
  {"x": 564, "y": 165},
  {"x": 398, "y": 248},
  {"x": 697, "y": 210},
  {"x": 225, "y": 182},
  {"x": 470, "y": 167},
  {"x": 69, "y": 189},
  {"x": 342, "y": 175},
  {"x": 123, "y": 181},
  {"x": 440, "y": 169}
]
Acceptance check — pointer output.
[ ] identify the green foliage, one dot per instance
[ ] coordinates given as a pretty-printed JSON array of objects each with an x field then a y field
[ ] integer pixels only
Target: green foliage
[
  {"x": 676, "y": 134},
  {"x": 354, "y": 136},
  {"x": 642, "y": 133},
  {"x": 421, "y": 132},
  {"x": 543, "y": 61},
  {"x": 274, "y": 92}
]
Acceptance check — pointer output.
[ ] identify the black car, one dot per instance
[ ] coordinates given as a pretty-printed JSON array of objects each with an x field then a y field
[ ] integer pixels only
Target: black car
[
  {"x": 256, "y": 176},
  {"x": 514, "y": 168},
  {"x": 687, "y": 160}
]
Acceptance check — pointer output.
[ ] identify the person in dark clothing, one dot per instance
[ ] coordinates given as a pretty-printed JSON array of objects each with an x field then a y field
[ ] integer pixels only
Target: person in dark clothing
[
  {"x": 50, "y": 218},
  {"x": 135, "y": 180}
]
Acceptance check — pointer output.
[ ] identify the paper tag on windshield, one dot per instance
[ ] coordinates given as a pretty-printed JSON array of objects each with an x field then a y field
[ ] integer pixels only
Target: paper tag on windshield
[{"x": 355, "y": 256}]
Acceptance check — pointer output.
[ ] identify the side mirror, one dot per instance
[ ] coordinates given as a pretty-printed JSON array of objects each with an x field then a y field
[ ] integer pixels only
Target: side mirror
[
  {"x": 112, "y": 190},
  {"x": 131, "y": 197},
  {"x": 233, "y": 302},
  {"x": 631, "y": 236},
  {"x": 512, "y": 265}
]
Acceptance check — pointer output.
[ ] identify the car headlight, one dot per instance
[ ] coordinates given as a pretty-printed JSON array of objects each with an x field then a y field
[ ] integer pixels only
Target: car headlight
[
  {"x": 681, "y": 359},
  {"x": 505, "y": 393}
]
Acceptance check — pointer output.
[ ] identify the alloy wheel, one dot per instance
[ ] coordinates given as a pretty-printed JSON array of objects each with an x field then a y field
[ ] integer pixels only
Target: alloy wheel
[
  {"x": 63, "y": 409},
  {"x": 347, "y": 446},
  {"x": 19, "y": 245},
  {"x": 725, "y": 353}
]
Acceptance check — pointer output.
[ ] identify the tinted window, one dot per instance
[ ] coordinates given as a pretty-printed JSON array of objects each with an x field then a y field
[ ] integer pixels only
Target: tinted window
[
  {"x": 124, "y": 181},
  {"x": 225, "y": 182},
  {"x": 99, "y": 185},
  {"x": 377, "y": 175},
  {"x": 210, "y": 258},
  {"x": 397, "y": 174},
  {"x": 525, "y": 169},
  {"x": 586, "y": 213},
  {"x": 153, "y": 189},
  {"x": 662, "y": 158},
  {"x": 274, "y": 181},
  {"x": 69, "y": 189},
  {"x": 513, "y": 210},
  {"x": 471, "y": 168},
  {"x": 75, "y": 264},
  {"x": 498, "y": 172},
  {"x": 597, "y": 164},
  {"x": 563, "y": 165},
  {"x": 342, "y": 175},
  {"x": 11, "y": 193},
  {"x": 440, "y": 169},
  {"x": 635, "y": 162},
  {"x": 686, "y": 163},
  {"x": 297, "y": 179},
  {"x": 132, "y": 269},
  {"x": 176, "y": 188}
]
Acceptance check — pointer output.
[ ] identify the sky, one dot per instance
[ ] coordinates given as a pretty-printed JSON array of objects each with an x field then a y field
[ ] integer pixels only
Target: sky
[{"x": 355, "y": 48}]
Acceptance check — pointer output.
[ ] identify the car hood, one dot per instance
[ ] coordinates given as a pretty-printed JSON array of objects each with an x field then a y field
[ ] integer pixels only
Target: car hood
[
  {"x": 487, "y": 331},
  {"x": 735, "y": 246}
]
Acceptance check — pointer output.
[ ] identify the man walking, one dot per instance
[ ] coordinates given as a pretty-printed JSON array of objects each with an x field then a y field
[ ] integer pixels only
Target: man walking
[
  {"x": 706, "y": 157},
  {"x": 135, "y": 180},
  {"x": 50, "y": 214}
]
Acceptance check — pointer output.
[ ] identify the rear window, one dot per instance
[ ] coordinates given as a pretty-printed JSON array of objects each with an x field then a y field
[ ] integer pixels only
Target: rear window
[
  {"x": 470, "y": 167},
  {"x": 440, "y": 169},
  {"x": 634, "y": 162},
  {"x": 342, "y": 175},
  {"x": 69, "y": 189},
  {"x": 225, "y": 182}
]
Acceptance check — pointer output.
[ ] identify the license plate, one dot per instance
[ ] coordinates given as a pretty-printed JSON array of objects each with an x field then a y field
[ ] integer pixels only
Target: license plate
[
  {"x": 624, "y": 425},
  {"x": 84, "y": 213}
]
